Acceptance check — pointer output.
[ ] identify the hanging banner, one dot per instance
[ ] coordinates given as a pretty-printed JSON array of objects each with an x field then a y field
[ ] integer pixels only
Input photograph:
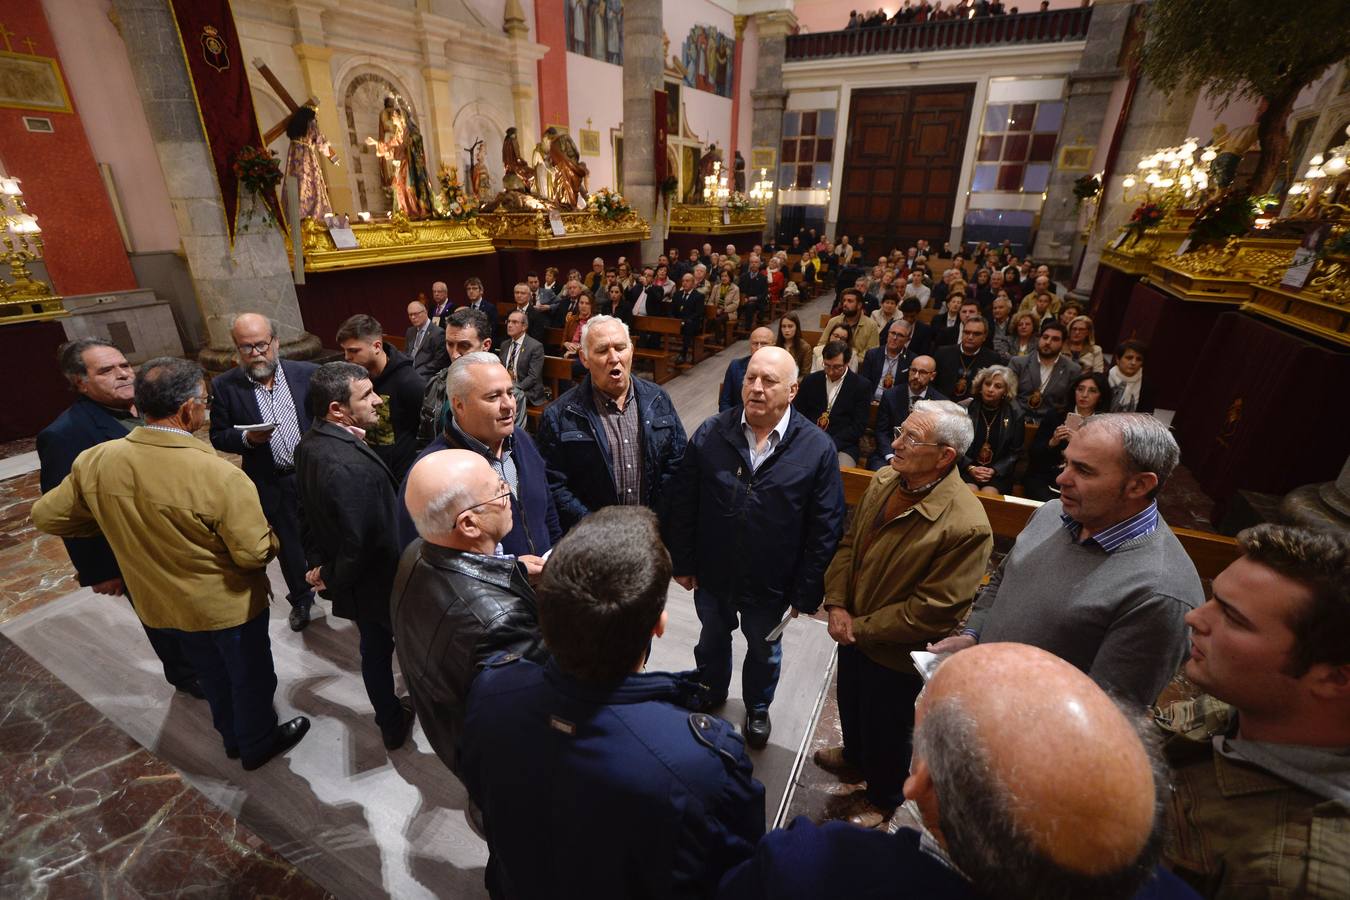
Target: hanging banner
[
  {"x": 659, "y": 113},
  {"x": 215, "y": 63}
]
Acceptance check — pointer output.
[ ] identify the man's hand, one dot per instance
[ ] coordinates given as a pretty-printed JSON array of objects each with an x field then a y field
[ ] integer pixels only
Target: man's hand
[
  {"x": 534, "y": 565},
  {"x": 953, "y": 644},
  {"x": 841, "y": 625},
  {"x": 314, "y": 579},
  {"x": 113, "y": 587},
  {"x": 688, "y": 582},
  {"x": 257, "y": 438},
  {"x": 981, "y": 473}
]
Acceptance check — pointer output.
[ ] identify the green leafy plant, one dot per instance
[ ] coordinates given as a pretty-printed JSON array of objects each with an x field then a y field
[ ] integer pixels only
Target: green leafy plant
[{"x": 1227, "y": 216}]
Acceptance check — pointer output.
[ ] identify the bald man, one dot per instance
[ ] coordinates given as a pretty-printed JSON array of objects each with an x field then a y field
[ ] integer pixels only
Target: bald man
[
  {"x": 1029, "y": 782},
  {"x": 266, "y": 390},
  {"x": 755, "y": 514},
  {"x": 730, "y": 394},
  {"x": 455, "y": 603}
]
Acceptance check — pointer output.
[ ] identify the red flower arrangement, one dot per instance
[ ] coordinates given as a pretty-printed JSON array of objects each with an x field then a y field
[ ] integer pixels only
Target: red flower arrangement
[
  {"x": 257, "y": 169},
  {"x": 1145, "y": 217}
]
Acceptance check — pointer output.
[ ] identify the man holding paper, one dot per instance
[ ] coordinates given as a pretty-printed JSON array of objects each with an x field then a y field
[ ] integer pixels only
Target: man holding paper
[{"x": 756, "y": 511}]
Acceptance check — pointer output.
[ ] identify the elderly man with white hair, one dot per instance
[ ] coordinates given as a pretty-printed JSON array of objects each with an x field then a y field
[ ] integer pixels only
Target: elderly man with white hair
[
  {"x": 905, "y": 573},
  {"x": 1096, "y": 577},
  {"x": 456, "y": 602},
  {"x": 482, "y": 419},
  {"x": 613, "y": 438}
]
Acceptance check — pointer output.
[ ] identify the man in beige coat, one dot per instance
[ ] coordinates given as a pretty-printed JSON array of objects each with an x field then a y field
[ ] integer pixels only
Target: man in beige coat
[
  {"x": 905, "y": 572},
  {"x": 193, "y": 545}
]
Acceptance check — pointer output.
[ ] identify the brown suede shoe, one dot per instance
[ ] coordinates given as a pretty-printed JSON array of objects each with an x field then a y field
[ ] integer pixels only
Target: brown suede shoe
[
  {"x": 869, "y": 816},
  {"x": 831, "y": 759}
]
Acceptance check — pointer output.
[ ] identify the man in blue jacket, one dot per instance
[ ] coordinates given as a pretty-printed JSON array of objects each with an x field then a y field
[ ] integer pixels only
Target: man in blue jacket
[
  {"x": 613, "y": 439},
  {"x": 482, "y": 419},
  {"x": 756, "y": 511},
  {"x": 105, "y": 411},
  {"x": 731, "y": 382}
]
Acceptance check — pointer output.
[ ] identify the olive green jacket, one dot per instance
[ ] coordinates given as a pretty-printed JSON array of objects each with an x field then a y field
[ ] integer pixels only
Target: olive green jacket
[
  {"x": 185, "y": 525},
  {"x": 919, "y": 574}
]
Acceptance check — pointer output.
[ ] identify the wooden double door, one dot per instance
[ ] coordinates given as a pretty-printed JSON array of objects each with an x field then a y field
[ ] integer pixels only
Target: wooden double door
[{"x": 902, "y": 163}]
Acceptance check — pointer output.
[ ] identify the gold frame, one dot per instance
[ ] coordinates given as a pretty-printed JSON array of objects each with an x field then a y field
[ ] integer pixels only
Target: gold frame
[
  {"x": 763, "y": 158},
  {"x": 1076, "y": 157},
  {"x": 17, "y": 59},
  {"x": 588, "y": 142}
]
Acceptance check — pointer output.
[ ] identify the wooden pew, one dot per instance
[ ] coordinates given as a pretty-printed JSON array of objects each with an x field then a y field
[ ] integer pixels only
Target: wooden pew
[
  {"x": 396, "y": 340},
  {"x": 811, "y": 337},
  {"x": 669, "y": 330}
]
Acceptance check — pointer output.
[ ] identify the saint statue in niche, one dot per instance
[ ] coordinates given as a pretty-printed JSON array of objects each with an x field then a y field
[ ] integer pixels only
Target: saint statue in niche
[
  {"x": 394, "y": 147},
  {"x": 302, "y": 161}
]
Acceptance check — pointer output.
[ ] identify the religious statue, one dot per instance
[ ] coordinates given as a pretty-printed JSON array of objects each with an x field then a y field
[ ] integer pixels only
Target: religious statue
[
  {"x": 302, "y": 161},
  {"x": 513, "y": 166},
  {"x": 543, "y": 176},
  {"x": 739, "y": 170},
  {"x": 569, "y": 173},
  {"x": 395, "y": 152},
  {"x": 478, "y": 180},
  {"x": 419, "y": 182}
]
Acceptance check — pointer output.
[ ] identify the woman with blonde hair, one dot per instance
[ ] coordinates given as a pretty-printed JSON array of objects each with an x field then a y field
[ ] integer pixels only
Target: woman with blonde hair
[
  {"x": 1022, "y": 340},
  {"x": 1082, "y": 345}
]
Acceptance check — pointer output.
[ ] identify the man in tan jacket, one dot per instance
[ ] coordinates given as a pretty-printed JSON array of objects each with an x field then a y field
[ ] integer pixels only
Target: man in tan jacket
[
  {"x": 905, "y": 572},
  {"x": 193, "y": 545}
]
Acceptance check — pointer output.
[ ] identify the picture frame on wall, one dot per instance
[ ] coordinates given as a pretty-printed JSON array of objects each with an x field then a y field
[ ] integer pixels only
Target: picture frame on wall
[
  {"x": 32, "y": 82},
  {"x": 1076, "y": 158},
  {"x": 763, "y": 158},
  {"x": 616, "y": 142},
  {"x": 588, "y": 142}
]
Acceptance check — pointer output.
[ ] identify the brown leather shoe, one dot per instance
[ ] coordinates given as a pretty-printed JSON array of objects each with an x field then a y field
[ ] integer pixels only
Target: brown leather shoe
[
  {"x": 831, "y": 759},
  {"x": 868, "y": 815},
  {"x": 841, "y": 806}
]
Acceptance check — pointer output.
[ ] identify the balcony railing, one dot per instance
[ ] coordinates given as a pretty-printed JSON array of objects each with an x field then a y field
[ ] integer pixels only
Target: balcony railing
[{"x": 948, "y": 34}]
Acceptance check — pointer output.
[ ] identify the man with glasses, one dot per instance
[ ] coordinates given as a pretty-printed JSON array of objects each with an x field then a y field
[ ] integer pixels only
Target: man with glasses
[
  {"x": 905, "y": 572},
  {"x": 349, "y": 519},
  {"x": 271, "y": 393},
  {"x": 898, "y": 401},
  {"x": 193, "y": 544}
]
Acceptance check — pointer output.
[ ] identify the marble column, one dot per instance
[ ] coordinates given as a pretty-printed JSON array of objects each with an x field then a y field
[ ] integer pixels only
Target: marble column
[
  {"x": 525, "y": 56},
  {"x": 316, "y": 64},
  {"x": 439, "y": 119},
  {"x": 1090, "y": 88},
  {"x": 642, "y": 77},
  {"x": 768, "y": 99},
  {"x": 254, "y": 275}
]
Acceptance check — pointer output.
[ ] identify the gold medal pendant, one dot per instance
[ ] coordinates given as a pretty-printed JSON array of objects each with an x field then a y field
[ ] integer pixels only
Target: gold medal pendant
[
  {"x": 961, "y": 386},
  {"x": 1034, "y": 401},
  {"x": 824, "y": 420},
  {"x": 888, "y": 382},
  {"x": 986, "y": 454}
]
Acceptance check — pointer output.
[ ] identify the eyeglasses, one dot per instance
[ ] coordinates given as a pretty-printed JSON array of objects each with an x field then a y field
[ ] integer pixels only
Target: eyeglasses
[
  {"x": 205, "y": 401},
  {"x": 254, "y": 349},
  {"x": 506, "y": 492},
  {"x": 906, "y": 438}
]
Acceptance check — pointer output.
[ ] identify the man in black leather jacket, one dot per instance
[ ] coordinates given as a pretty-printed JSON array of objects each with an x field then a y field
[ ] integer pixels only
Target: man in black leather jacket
[{"x": 454, "y": 602}]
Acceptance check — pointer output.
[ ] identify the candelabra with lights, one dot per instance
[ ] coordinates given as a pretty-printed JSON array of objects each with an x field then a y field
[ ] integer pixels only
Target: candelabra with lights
[
  {"x": 1172, "y": 177},
  {"x": 23, "y": 297},
  {"x": 761, "y": 192}
]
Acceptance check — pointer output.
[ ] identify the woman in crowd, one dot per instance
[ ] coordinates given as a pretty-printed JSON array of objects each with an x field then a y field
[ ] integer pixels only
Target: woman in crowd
[
  {"x": 1091, "y": 395},
  {"x": 984, "y": 292},
  {"x": 1001, "y": 333},
  {"x": 889, "y": 310},
  {"x": 774, "y": 276},
  {"x": 790, "y": 339},
  {"x": 1068, "y": 311},
  {"x": 619, "y": 302},
  {"x": 989, "y": 463},
  {"x": 1023, "y": 340},
  {"x": 1082, "y": 345},
  {"x": 625, "y": 276},
  {"x": 840, "y": 332},
  {"x": 575, "y": 322},
  {"x": 1128, "y": 391},
  {"x": 1043, "y": 306},
  {"x": 726, "y": 296}
]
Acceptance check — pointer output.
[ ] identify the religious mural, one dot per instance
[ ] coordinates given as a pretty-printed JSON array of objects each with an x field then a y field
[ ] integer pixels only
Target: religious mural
[
  {"x": 595, "y": 29},
  {"x": 707, "y": 59}
]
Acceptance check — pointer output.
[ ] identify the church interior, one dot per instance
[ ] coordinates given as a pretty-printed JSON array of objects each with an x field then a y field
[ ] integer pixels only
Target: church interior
[{"x": 168, "y": 165}]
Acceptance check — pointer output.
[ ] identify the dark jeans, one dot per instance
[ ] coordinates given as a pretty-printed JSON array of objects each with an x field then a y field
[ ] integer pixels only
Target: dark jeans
[
  {"x": 234, "y": 666},
  {"x": 178, "y": 670},
  {"x": 377, "y": 671},
  {"x": 281, "y": 504},
  {"x": 876, "y": 714},
  {"x": 712, "y": 654}
]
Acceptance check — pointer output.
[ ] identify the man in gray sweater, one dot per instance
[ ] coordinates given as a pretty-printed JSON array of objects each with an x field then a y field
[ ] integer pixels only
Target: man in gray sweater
[{"x": 1097, "y": 577}]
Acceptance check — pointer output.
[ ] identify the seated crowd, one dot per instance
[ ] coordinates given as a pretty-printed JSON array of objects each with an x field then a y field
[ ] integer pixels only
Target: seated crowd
[{"x": 520, "y": 577}]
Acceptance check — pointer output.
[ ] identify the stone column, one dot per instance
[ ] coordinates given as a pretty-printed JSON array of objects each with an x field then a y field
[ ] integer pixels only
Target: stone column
[
  {"x": 642, "y": 77},
  {"x": 525, "y": 56},
  {"x": 440, "y": 117},
  {"x": 1090, "y": 88},
  {"x": 315, "y": 63},
  {"x": 768, "y": 99},
  {"x": 255, "y": 275}
]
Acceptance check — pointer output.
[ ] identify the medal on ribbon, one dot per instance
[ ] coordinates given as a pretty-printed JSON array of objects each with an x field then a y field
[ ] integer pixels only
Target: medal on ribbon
[
  {"x": 888, "y": 382},
  {"x": 824, "y": 420},
  {"x": 1034, "y": 400},
  {"x": 961, "y": 386},
  {"x": 986, "y": 455}
]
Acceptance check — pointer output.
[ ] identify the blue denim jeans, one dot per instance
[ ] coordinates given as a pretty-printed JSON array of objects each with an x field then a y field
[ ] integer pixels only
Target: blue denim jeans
[
  {"x": 234, "y": 668},
  {"x": 763, "y": 661},
  {"x": 377, "y": 671}
]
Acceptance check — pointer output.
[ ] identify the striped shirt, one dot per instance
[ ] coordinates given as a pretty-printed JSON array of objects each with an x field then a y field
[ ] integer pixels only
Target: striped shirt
[
  {"x": 1142, "y": 523},
  {"x": 623, "y": 430},
  {"x": 277, "y": 405}
]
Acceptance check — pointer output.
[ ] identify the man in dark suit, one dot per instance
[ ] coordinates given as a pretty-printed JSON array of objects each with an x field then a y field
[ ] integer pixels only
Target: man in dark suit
[
  {"x": 349, "y": 522},
  {"x": 885, "y": 366},
  {"x": 1043, "y": 380},
  {"x": 838, "y": 400},
  {"x": 523, "y": 357},
  {"x": 105, "y": 411},
  {"x": 967, "y": 310},
  {"x": 896, "y": 403},
  {"x": 265, "y": 390},
  {"x": 536, "y": 320},
  {"x": 730, "y": 394},
  {"x": 957, "y": 366},
  {"x": 473, "y": 290},
  {"x": 689, "y": 309},
  {"x": 425, "y": 342},
  {"x": 441, "y": 305},
  {"x": 920, "y": 334},
  {"x": 754, "y": 287}
]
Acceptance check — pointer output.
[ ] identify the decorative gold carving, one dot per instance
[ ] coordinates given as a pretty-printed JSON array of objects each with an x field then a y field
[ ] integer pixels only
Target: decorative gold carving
[
  {"x": 1135, "y": 257},
  {"x": 534, "y": 230},
  {"x": 394, "y": 240},
  {"x": 1224, "y": 274},
  {"x": 699, "y": 219},
  {"x": 1322, "y": 308}
]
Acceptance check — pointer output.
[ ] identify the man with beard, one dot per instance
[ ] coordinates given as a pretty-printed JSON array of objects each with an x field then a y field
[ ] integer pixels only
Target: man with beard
[{"x": 265, "y": 390}]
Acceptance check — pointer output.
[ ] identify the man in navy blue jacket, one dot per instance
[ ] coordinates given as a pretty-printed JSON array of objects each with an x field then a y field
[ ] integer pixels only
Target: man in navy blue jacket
[
  {"x": 731, "y": 382},
  {"x": 480, "y": 401},
  {"x": 104, "y": 412},
  {"x": 756, "y": 511},
  {"x": 613, "y": 438},
  {"x": 264, "y": 389}
]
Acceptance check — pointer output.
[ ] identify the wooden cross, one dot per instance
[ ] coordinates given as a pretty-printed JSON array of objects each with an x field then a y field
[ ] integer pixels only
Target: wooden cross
[
  {"x": 5, "y": 35},
  {"x": 291, "y": 106}
]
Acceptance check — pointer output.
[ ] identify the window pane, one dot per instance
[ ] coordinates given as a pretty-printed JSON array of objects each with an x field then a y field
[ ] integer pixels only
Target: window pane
[
  {"x": 822, "y": 175},
  {"x": 1015, "y": 147},
  {"x": 1010, "y": 178},
  {"x": 985, "y": 178},
  {"x": 996, "y": 118},
  {"x": 808, "y": 123},
  {"x": 1021, "y": 116},
  {"x": 803, "y": 176},
  {"x": 785, "y": 175},
  {"x": 1036, "y": 178},
  {"x": 1042, "y": 147},
  {"x": 789, "y": 151},
  {"x": 792, "y": 124},
  {"x": 990, "y": 148},
  {"x": 824, "y": 149},
  {"x": 1049, "y": 116},
  {"x": 806, "y": 150},
  {"x": 825, "y": 122}
]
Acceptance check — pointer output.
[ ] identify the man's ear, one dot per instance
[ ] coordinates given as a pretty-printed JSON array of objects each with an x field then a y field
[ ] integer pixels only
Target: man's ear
[
  {"x": 1329, "y": 683},
  {"x": 1140, "y": 485}
]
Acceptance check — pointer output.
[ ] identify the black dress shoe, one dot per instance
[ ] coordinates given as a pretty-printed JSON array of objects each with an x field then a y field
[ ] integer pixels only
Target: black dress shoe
[
  {"x": 299, "y": 617},
  {"x": 287, "y": 735},
  {"x": 192, "y": 688},
  {"x": 394, "y": 737},
  {"x": 757, "y": 728}
]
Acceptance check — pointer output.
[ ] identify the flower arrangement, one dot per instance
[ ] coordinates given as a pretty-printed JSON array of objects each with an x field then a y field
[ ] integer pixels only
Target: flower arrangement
[
  {"x": 1227, "y": 216},
  {"x": 608, "y": 204},
  {"x": 259, "y": 173},
  {"x": 455, "y": 202},
  {"x": 738, "y": 201},
  {"x": 1086, "y": 187},
  {"x": 1145, "y": 217}
]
